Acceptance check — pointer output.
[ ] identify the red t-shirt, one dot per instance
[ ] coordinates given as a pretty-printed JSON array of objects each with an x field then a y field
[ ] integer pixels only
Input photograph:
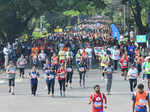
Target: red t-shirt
[
  {"x": 97, "y": 102},
  {"x": 61, "y": 73},
  {"x": 124, "y": 62}
]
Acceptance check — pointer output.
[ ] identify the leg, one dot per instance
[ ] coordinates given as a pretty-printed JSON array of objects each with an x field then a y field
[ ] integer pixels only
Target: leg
[
  {"x": 60, "y": 84},
  {"x": 109, "y": 85},
  {"x": 48, "y": 86},
  {"x": 84, "y": 80},
  {"x": 64, "y": 87},
  {"x": 148, "y": 83},
  {"x": 80, "y": 73},
  {"x": 70, "y": 80},
  {"x": 135, "y": 83},
  {"x": 12, "y": 86},
  {"x": 9, "y": 84},
  {"x": 131, "y": 84},
  {"x": 35, "y": 86},
  {"x": 53, "y": 84},
  {"x": 20, "y": 72}
]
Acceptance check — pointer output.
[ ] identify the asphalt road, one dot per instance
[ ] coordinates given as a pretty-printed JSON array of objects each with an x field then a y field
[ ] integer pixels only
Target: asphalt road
[{"x": 76, "y": 99}]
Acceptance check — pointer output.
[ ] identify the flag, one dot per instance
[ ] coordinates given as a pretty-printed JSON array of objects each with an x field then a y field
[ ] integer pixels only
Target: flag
[{"x": 115, "y": 32}]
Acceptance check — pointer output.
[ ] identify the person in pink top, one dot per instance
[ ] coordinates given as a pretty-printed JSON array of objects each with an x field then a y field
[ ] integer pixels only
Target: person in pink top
[{"x": 61, "y": 73}]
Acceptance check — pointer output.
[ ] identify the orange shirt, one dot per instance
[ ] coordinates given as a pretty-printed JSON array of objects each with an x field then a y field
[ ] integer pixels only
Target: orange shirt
[{"x": 137, "y": 52}]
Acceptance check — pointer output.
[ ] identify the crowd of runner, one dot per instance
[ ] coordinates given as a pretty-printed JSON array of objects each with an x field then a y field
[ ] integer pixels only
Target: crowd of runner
[{"x": 75, "y": 49}]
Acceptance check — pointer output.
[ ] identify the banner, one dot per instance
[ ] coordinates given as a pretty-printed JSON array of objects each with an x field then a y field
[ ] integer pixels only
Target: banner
[
  {"x": 115, "y": 32},
  {"x": 141, "y": 38},
  {"x": 58, "y": 30}
]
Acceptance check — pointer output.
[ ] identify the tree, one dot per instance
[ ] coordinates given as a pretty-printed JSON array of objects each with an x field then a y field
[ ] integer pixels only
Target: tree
[
  {"x": 17, "y": 14},
  {"x": 139, "y": 9}
]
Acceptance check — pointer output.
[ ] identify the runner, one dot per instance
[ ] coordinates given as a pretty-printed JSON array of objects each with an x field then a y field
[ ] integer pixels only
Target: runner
[
  {"x": 21, "y": 62},
  {"x": 104, "y": 63},
  {"x": 42, "y": 58},
  {"x": 82, "y": 72},
  {"x": 108, "y": 73},
  {"x": 62, "y": 56},
  {"x": 54, "y": 61},
  {"x": 124, "y": 62},
  {"x": 33, "y": 75},
  {"x": 115, "y": 57},
  {"x": 50, "y": 80},
  {"x": 69, "y": 70},
  {"x": 61, "y": 73},
  {"x": 98, "y": 100},
  {"x": 147, "y": 71},
  {"x": 132, "y": 75},
  {"x": 11, "y": 71},
  {"x": 140, "y": 100}
]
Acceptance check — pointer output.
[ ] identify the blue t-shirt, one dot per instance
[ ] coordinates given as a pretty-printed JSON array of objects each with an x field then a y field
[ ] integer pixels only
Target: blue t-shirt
[{"x": 131, "y": 50}]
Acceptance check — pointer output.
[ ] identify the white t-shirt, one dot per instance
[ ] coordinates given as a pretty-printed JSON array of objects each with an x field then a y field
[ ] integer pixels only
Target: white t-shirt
[
  {"x": 42, "y": 56},
  {"x": 89, "y": 51},
  {"x": 116, "y": 55},
  {"x": 133, "y": 72}
]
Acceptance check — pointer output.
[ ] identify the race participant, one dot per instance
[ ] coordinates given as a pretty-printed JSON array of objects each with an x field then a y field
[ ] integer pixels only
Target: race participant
[
  {"x": 140, "y": 100},
  {"x": 89, "y": 50},
  {"x": 42, "y": 58},
  {"x": 21, "y": 62},
  {"x": 124, "y": 62},
  {"x": 82, "y": 72},
  {"x": 11, "y": 71},
  {"x": 35, "y": 50},
  {"x": 147, "y": 71},
  {"x": 98, "y": 100},
  {"x": 69, "y": 55},
  {"x": 104, "y": 62},
  {"x": 61, "y": 73},
  {"x": 85, "y": 58},
  {"x": 131, "y": 52},
  {"x": 33, "y": 75},
  {"x": 78, "y": 58},
  {"x": 143, "y": 69},
  {"x": 69, "y": 71},
  {"x": 62, "y": 56},
  {"x": 108, "y": 73},
  {"x": 34, "y": 60},
  {"x": 54, "y": 61},
  {"x": 132, "y": 76},
  {"x": 50, "y": 80},
  {"x": 115, "y": 57}
]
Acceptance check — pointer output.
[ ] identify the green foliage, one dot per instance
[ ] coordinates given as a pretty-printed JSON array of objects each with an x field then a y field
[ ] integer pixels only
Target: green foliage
[{"x": 19, "y": 16}]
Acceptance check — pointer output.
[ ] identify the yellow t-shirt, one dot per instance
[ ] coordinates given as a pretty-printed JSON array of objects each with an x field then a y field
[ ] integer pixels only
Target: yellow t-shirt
[{"x": 62, "y": 55}]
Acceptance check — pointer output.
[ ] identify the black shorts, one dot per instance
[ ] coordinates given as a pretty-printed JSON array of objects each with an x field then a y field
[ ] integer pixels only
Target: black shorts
[
  {"x": 124, "y": 69},
  {"x": 11, "y": 82}
]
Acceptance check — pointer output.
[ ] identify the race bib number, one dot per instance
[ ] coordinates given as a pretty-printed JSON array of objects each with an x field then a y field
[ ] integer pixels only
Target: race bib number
[
  {"x": 51, "y": 77},
  {"x": 12, "y": 71},
  {"x": 143, "y": 101},
  {"x": 69, "y": 69},
  {"x": 131, "y": 50},
  {"x": 81, "y": 69},
  {"x": 62, "y": 75},
  {"x": 124, "y": 63},
  {"x": 97, "y": 104},
  {"x": 21, "y": 63},
  {"x": 33, "y": 76},
  {"x": 134, "y": 74}
]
